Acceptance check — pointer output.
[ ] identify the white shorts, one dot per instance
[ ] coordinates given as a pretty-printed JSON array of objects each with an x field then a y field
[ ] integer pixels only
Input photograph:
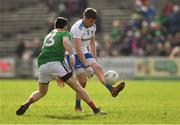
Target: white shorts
[{"x": 54, "y": 69}]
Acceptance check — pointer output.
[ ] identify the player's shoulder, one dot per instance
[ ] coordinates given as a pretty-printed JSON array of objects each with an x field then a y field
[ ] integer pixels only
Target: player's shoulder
[
  {"x": 78, "y": 25},
  {"x": 66, "y": 33}
]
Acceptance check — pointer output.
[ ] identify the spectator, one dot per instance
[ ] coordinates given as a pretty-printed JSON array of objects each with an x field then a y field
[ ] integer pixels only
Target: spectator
[
  {"x": 52, "y": 5},
  {"x": 20, "y": 47},
  {"x": 167, "y": 48},
  {"x": 174, "y": 25},
  {"x": 116, "y": 33},
  {"x": 51, "y": 19},
  {"x": 82, "y": 5},
  {"x": 125, "y": 47},
  {"x": 167, "y": 8},
  {"x": 136, "y": 51},
  {"x": 36, "y": 47},
  {"x": 62, "y": 9},
  {"x": 148, "y": 11},
  {"x": 76, "y": 7},
  {"x": 27, "y": 55},
  {"x": 107, "y": 45}
]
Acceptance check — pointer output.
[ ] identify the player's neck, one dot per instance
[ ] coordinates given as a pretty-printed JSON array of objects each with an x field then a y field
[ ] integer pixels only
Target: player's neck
[
  {"x": 85, "y": 24},
  {"x": 60, "y": 30}
]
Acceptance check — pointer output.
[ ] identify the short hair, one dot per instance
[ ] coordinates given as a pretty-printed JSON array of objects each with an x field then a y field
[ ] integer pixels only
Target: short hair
[
  {"x": 90, "y": 13},
  {"x": 61, "y": 22}
]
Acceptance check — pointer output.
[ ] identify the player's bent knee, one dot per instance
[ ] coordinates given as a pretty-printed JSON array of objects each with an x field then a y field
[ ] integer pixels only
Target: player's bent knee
[
  {"x": 81, "y": 78},
  {"x": 82, "y": 83}
]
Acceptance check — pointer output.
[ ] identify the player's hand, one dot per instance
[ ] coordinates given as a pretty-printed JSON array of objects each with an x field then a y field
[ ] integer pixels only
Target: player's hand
[
  {"x": 60, "y": 83},
  {"x": 72, "y": 61}
]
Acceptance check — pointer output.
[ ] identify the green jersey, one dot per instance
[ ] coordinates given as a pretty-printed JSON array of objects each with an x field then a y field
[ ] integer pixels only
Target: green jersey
[{"x": 53, "y": 49}]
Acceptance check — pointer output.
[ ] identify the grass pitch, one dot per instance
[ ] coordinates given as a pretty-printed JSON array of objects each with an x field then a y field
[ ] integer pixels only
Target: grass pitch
[{"x": 141, "y": 102}]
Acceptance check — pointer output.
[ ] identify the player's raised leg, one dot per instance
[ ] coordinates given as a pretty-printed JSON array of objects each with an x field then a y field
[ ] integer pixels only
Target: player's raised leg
[
  {"x": 100, "y": 74},
  {"x": 35, "y": 96}
]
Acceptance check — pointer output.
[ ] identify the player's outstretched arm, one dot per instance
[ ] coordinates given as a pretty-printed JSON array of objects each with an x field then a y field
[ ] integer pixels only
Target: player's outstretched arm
[
  {"x": 79, "y": 51},
  {"x": 92, "y": 47}
]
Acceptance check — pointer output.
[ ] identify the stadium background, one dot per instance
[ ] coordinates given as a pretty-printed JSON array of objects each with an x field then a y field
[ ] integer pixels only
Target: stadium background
[
  {"x": 130, "y": 41},
  {"x": 128, "y": 34}
]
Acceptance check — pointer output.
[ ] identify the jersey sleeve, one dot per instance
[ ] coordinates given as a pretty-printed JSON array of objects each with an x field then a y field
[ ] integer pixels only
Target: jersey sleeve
[
  {"x": 76, "y": 33},
  {"x": 68, "y": 34}
]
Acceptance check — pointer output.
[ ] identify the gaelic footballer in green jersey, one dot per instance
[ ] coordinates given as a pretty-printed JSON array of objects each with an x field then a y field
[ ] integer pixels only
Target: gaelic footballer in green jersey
[
  {"x": 53, "y": 49},
  {"x": 51, "y": 65}
]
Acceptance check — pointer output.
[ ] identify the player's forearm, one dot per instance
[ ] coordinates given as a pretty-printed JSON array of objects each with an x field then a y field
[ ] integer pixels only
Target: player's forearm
[
  {"x": 80, "y": 52},
  {"x": 92, "y": 47},
  {"x": 93, "y": 51},
  {"x": 68, "y": 47}
]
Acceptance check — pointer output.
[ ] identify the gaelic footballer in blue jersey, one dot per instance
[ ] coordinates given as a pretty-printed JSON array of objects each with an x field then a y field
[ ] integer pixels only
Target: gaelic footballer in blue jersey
[{"x": 83, "y": 32}]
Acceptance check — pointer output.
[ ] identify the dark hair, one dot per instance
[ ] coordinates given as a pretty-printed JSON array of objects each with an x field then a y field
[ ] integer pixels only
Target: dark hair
[
  {"x": 61, "y": 22},
  {"x": 90, "y": 13}
]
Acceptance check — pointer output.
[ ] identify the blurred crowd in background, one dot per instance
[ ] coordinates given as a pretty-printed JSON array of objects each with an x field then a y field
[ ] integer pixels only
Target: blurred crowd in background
[
  {"x": 28, "y": 49},
  {"x": 149, "y": 32}
]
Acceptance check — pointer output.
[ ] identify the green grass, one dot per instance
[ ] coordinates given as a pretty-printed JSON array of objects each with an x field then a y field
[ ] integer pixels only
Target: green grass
[{"x": 142, "y": 102}]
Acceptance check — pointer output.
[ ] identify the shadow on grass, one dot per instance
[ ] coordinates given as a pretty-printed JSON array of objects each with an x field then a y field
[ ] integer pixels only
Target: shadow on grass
[{"x": 69, "y": 117}]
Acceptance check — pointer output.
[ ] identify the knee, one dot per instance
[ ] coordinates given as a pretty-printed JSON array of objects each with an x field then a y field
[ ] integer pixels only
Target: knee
[{"x": 83, "y": 83}]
